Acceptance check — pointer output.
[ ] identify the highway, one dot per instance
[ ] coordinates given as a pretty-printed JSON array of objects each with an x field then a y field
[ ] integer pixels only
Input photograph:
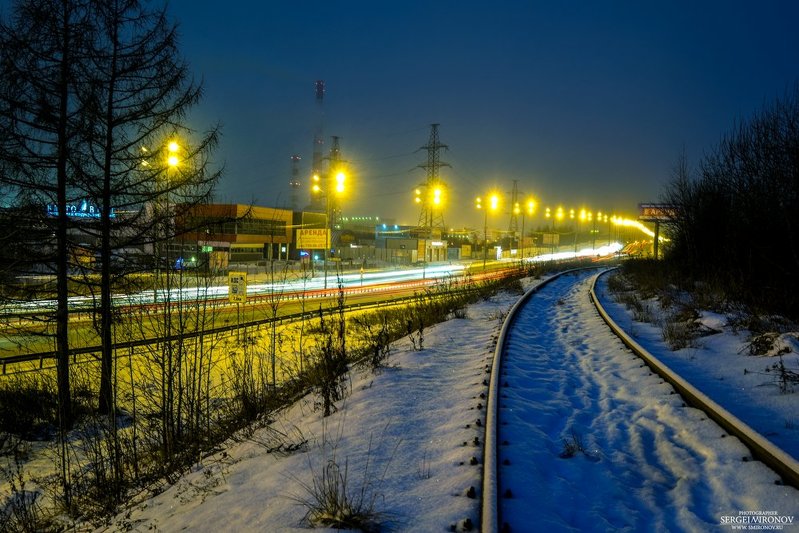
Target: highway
[{"x": 25, "y": 336}]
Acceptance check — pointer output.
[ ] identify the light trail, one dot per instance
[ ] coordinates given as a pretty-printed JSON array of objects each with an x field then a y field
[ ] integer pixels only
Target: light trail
[{"x": 299, "y": 284}]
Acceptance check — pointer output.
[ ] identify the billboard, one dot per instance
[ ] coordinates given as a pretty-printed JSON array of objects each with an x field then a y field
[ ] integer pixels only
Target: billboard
[
  {"x": 657, "y": 212},
  {"x": 313, "y": 239}
]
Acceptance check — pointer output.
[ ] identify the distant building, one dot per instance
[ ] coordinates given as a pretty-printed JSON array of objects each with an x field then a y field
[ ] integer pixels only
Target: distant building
[{"x": 243, "y": 232}]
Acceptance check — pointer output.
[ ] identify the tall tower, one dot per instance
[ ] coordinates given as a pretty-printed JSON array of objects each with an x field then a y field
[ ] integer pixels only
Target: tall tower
[
  {"x": 294, "y": 182},
  {"x": 430, "y": 194},
  {"x": 318, "y": 142}
]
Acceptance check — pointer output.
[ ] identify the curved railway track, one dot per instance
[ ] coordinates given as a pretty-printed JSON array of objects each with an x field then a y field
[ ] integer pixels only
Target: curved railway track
[{"x": 587, "y": 431}]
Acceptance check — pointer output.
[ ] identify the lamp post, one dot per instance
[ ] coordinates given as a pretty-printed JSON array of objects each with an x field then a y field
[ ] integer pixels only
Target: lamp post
[
  {"x": 529, "y": 208},
  {"x": 493, "y": 204},
  {"x": 172, "y": 162},
  {"x": 574, "y": 228},
  {"x": 582, "y": 218},
  {"x": 433, "y": 200},
  {"x": 330, "y": 202},
  {"x": 516, "y": 211}
]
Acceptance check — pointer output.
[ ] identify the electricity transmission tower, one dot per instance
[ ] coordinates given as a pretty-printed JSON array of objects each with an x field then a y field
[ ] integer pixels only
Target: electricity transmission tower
[{"x": 430, "y": 194}]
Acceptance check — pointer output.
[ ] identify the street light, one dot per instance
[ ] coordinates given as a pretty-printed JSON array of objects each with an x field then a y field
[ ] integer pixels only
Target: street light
[
  {"x": 582, "y": 218},
  {"x": 574, "y": 229},
  {"x": 330, "y": 201},
  {"x": 431, "y": 197},
  {"x": 529, "y": 208},
  {"x": 172, "y": 162},
  {"x": 493, "y": 204}
]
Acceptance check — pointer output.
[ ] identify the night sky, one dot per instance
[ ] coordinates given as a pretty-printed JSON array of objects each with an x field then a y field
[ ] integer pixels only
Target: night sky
[{"x": 584, "y": 103}]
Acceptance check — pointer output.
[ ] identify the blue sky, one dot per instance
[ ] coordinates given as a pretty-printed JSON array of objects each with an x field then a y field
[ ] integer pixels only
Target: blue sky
[{"x": 584, "y": 103}]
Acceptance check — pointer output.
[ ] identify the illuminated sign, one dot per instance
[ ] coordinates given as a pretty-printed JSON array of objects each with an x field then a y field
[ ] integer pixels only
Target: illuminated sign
[
  {"x": 81, "y": 209},
  {"x": 657, "y": 212},
  {"x": 313, "y": 239}
]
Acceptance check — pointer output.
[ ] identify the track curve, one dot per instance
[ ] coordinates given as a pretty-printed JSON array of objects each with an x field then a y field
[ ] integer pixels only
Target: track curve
[{"x": 582, "y": 435}]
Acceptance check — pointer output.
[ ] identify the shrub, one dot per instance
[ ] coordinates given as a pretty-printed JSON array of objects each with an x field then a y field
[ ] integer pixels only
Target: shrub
[{"x": 334, "y": 499}]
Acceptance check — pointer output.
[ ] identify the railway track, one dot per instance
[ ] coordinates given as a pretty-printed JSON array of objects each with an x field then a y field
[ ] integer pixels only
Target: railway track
[{"x": 587, "y": 431}]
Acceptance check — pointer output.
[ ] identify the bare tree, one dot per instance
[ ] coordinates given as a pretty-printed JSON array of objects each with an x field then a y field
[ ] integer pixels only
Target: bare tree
[{"x": 138, "y": 92}]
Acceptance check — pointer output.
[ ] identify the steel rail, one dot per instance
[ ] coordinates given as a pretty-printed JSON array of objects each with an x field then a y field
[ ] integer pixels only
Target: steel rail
[
  {"x": 489, "y": 511},
  {"x": 762, "y": 449}
]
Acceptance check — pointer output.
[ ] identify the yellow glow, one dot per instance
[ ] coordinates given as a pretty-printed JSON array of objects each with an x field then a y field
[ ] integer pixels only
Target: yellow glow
[
  {"x": 494, "y": 202},
  {"x": 582, "y": 215},
  {"x": 437, "y": 196},
  {"x": 571, "y": 213},
  {"x": 417, "y": 200},
  {"x": 478, "y": 202},
  {"x": 547, "y": 213},
  {"x": 172, "y": 158},
  {"x": 530, "y": 207},
  {"x": 316, "y": 187},
  {"x": 340, "y": 178},
  {"x": 316, "y": 177},
  {"x": 516, "y": 209},
  {"x": 418, "y": 192},
  {"x": 626, "y": 222},
  {"x": 559, "y": 213}
]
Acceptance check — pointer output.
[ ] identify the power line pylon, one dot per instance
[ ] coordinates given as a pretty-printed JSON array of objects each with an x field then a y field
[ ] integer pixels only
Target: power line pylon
[{"x": 431, "y": 216}]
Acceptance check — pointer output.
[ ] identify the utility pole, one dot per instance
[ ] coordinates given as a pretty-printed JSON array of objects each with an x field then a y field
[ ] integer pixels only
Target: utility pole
[
  {"x": 513, "y": 226},
  {"x": 334, "y": 185}
]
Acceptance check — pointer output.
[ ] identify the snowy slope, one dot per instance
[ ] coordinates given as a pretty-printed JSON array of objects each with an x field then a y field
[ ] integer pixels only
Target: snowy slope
[{"x": 421, "y": 416}]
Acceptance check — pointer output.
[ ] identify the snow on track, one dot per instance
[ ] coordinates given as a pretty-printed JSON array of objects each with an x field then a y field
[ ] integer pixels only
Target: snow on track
[{"x": 648, "y": 461}]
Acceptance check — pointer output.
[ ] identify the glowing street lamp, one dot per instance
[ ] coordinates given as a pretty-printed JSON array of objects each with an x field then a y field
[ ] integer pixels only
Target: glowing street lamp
[
  {"x": 172, "y": 159},
  {"x": 337, "y": 190},
  {"x": 340, "y": 178},
  {"x": 493, "y": 205},
  {"x": 529, "y": 208}
]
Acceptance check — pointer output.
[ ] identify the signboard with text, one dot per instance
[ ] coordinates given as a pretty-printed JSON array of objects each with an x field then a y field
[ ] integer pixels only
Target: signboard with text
[
  {"x": 657, "y": 212},
  {"x": 313, "y": 239},
  {"x": 237, "y": 287},
  {"x": 79, "y": 209}
]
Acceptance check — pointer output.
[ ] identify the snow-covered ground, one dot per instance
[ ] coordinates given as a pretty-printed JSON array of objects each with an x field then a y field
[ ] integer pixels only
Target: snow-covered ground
[
  {"x": 720, "y": 366},
  {"x": 415, "y": 423},
  {"x": 658, "y": 464},
  {"x": 648, "y": 462}
]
